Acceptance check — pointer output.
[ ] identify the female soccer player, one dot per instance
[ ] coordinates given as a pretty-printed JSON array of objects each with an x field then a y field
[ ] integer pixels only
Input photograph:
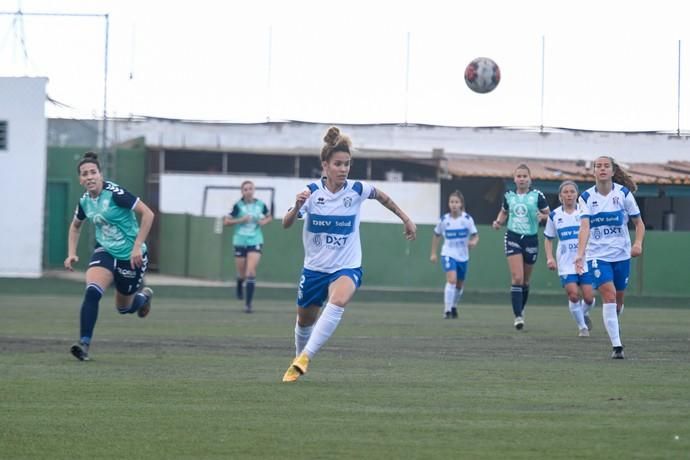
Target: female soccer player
[
  {"x": 604, "y": 241},
  {"x": 332, "y": 251},
  {"x": 249, "y": 215},
  {"x": 120, "y": 254},
  {"x": 524, "y": 209},
  {"x": 460, "y": 235},
  {"x": 564, "y": 222}
]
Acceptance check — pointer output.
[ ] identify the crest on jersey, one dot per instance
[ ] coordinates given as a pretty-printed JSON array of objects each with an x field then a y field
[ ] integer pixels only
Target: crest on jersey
[
  {"x": 317, "y": 240},
  {"x": 615, "y": 200},
  {"x": 347, "y": 201},
  {"x": 596, "y": 234}
]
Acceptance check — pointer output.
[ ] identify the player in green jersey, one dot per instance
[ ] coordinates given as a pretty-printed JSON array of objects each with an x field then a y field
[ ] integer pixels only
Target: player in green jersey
[
  {"x": 248, "y": 215},
  {"x": 523, "y": 209},
  {"x": 120, "y": 254}
]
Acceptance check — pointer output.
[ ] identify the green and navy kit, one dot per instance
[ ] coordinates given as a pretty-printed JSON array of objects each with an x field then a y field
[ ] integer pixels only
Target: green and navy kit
[
  {"x": 112, "y": 214},
  {"x": 523, "y": 210},
  {"x": 249, "y": 233}
]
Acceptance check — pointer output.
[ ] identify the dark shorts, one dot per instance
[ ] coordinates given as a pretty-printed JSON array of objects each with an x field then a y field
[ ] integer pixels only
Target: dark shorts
[
  {"x": 527, "y": 245},
  {"x": 127, "y": 280},
  {"x": 241, "y": 251}
]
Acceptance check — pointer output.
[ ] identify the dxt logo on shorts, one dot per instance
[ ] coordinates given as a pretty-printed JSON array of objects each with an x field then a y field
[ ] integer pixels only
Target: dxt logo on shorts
[{"x": 337, "y": 241}]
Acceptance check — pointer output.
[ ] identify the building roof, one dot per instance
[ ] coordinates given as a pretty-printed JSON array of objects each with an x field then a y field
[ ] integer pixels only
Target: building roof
[{"x": 669, "y": 173}]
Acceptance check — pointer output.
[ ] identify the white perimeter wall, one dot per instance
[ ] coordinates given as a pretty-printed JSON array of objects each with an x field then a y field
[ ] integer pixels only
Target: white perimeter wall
[
  {"x": 184, "y": 193},
  {"x": 22, "y": 176}
]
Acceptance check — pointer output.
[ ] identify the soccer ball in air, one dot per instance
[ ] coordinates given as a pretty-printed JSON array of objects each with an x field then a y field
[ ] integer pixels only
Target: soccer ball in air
[{"x": 482, "y": 75}]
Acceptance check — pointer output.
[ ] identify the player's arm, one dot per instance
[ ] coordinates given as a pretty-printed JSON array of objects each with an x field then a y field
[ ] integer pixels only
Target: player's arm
[
  {"x": 146, "y": 217},
  {"x": 582, "y": 240},
  {"x": 292, "y": 214},
  {"x": 500, "y": 219},
  {"x": 548, "y": 248},
  {"x": 388, "y": 203},
  {"x": 72, "y": 242},
  {"x": 434, "y": 247},
  {"x": 543, "y": 206},
  {"x": 266, "y": 218},
  {"x": 473, "y": 241},
  {"x": 232, "y": 218},
  {"x": 640, "y": 230}
]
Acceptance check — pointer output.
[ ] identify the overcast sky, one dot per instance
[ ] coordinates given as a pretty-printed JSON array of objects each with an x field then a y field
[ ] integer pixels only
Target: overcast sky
[{"x": 609, "y": 65}]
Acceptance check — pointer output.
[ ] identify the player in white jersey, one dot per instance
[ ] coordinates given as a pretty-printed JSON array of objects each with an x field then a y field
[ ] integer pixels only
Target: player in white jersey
[
  {"x": 564, "y": 223},
  {"x": 332, "y": 251},
  {"x": 604, "y": 241},
  {"x": 459, "y": 236}
]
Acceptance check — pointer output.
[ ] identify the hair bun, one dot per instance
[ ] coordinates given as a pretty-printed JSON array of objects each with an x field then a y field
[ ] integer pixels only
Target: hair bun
[
  {"x": 332, "y": 136},
  {"x": 90, "y": 156}
]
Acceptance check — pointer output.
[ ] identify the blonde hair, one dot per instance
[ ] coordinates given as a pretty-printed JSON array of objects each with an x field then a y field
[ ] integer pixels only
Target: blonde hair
[
  {"x": 564, "y": 184},
  {"x": 525, "y": 167},
  {"x": 334, "y": 142},
  {"x": 620, "y": 176}
]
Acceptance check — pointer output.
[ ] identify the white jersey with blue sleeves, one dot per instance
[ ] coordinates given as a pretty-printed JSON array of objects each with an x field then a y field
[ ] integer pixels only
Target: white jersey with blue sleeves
[
  {"x": 456, "y": 232},
  {"x": 567, "y": 228},
  {"x": 331, "y": 227},
  {"x": 608, "y": 215}
]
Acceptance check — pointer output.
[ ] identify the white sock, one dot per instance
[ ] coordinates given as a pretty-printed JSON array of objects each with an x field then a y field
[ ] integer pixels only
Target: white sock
[
  {"x": 620, "y": 312},
  {"x": 302, "y": 334},
  {"x": 458, "y": 295},
  {"x": 587, "y": 307},
  {"x": 577, "y": 314},
  {"x": 611, "y": 323},
  {"x": 324, "y": 328},
  {"x": 449, "y": 297}
]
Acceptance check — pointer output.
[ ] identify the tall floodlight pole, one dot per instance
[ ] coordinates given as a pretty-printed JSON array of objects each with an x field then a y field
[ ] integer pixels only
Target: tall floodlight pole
[
  {"x": 678, "y": 109},
  {"x": 104, "y": 127},
  {"x": 407, "y": 77},
  {"x": 543, "y": 52}
]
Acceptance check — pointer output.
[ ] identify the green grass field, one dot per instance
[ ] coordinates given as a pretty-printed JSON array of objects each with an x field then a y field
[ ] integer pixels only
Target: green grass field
[{"x": 200, "y": 379}]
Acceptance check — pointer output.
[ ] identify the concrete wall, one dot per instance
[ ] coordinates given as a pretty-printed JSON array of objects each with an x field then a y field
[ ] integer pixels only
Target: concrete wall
[
  {"x": 22, "y": 176},
  {"x": 190, "y": 246}
]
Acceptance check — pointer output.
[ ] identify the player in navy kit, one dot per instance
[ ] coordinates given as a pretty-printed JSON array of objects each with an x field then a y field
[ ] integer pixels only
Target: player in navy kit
[
  {"x": 332, "y": 251},
  {"x": 120, "y": 255},
  {"x": 459, "y": 236},
  {"x": 522, "y": 210},
  {"x": 604, "y": 241},
  {"x": 564, "y": 223}
]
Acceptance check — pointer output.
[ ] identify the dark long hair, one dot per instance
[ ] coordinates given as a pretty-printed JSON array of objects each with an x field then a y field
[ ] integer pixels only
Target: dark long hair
[{"x": 334, "y": 141}]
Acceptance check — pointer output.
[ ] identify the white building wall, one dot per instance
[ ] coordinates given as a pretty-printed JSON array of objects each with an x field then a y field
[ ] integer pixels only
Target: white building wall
[
  {"x": 22, "y": 176},
  {"x": 184, "y": 194}
]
